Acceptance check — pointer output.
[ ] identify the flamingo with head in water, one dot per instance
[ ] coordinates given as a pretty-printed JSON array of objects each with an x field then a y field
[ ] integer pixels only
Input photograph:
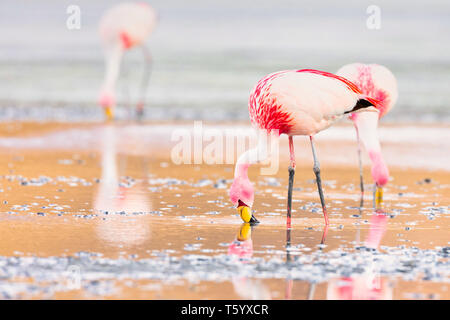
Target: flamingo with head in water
[
  {"x": 293, "y": 102},
  {"x": 378, "y": 82},
  {"x": 124, "y": 26}
]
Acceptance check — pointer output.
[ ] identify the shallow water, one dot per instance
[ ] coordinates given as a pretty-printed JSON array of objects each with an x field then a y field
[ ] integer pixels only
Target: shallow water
[{"x": 95, "y": 217}]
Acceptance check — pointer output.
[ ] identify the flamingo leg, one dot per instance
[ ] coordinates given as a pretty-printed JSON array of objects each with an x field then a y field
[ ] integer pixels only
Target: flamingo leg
[
  {"x": 291, "y": 181},
  {"x": 361, "y": 180},
  {"x": 288, "y": 245},
  {"x": 316, "y": 169},
  {"x": 144, "y": 81},
  {"x": 289, "y": 281},
  {"x": 324, "y": 235},
  {"x": 312, "y": 286}
]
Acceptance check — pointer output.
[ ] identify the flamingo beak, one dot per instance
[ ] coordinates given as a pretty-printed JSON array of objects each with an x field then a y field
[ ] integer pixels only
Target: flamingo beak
[
  {"x": 109, "y": 113},
  {"x": 246, "y": 214}
]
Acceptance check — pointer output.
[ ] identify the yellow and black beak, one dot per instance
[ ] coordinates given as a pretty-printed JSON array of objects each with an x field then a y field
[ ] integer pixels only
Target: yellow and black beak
[
  {"x": 109, "y": 113},
  {"x": 246, "y": 215}
]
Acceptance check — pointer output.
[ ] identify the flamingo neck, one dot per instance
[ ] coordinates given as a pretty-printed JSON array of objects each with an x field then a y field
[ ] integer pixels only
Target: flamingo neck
[
  {"x": 367, "y": 124},
  {"x": 112, "y": 65},
  {"x": 248, "y": 157},
  {"x": 380, "y": 172},
  {"x": 241, "y": 191},
  {"x": 241, "y": 171}
]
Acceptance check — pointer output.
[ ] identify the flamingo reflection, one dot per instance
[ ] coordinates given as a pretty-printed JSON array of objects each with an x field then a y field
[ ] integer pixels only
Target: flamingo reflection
[
  {"x": 369, "y": 285},
  {"x": 242, "y": 249},
  {"x": 289, "y": 281},
  {"x": 118, "y": 204}
]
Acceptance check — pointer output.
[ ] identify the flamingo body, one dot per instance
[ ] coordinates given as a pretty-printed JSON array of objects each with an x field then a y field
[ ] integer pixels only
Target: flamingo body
[
  {"x": 121, "y": 28},
  {"x": 128, "y": 24},
  {"x": 301, "y": 102}
]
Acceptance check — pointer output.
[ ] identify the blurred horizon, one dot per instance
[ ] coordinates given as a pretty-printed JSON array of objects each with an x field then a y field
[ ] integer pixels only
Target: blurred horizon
[{"x": 208, "y": 55}]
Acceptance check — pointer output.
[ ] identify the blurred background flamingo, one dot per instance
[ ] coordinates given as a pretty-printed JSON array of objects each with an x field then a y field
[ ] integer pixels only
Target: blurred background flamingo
[
  {"x": 293, "y": 102},
  {"x": 378, "y": 82},
  {"x": 123, "y": 27}
]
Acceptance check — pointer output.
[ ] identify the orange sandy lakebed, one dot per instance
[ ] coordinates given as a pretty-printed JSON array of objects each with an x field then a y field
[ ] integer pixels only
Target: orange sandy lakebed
[{"x": 94, "y": 211}]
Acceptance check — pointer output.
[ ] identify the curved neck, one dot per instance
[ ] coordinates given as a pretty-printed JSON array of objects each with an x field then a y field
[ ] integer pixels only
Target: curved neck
[
  {"x": 367, "y": 124},
  {"x": 113, "y": 56},
  {"x": 251, "y": 156},
  {"x": 267, "y": 145},
  {"x": 240, "y": 171},
  {"x": 244, "y": 161}
]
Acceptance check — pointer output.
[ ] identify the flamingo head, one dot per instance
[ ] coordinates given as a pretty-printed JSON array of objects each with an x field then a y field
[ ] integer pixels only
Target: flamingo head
[
  {"x": 107, "y": 101},
  {"x": 242, "y": 196}
]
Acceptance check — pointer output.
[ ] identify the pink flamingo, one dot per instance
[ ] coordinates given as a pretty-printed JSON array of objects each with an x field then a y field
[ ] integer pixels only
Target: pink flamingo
[
  {"x": 378, "y": 82},
  {"x": 293, "y": 102},
  {"x": 122, "y": 27}
]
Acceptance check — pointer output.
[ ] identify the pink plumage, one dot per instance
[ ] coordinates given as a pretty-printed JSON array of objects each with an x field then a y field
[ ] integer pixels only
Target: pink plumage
[
  {"x": 368, "y": 285},
  {"x": 241, "y": 249},
  {"x": 378, "y": 82},
  {"x": 127, "y": 24},
  {"x": 301, "y": 102},
  {"x": 374, "y": 80}
]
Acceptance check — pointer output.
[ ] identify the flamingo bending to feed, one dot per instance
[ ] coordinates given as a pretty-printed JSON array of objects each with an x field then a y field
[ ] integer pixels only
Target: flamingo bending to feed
[
  {"x": 124, "y": 26},
  {"x": 293, "y": 102},
  {"x": 378, "y": 82}
]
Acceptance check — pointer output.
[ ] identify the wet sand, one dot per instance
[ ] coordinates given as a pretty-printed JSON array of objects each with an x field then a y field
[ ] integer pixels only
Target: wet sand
[{"x": 92, "y": 211}]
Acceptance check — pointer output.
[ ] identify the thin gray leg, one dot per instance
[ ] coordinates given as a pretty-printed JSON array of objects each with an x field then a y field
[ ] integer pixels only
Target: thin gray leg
[
  {"x": 144, "y": 82},
  {"x": 291, "y": 181},
  {"x": 316, "y": 169},
  {"x": 361, "y": 180}
]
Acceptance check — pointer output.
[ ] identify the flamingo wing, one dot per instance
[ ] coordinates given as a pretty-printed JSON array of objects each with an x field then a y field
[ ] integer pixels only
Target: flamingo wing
[
  {"x": 129, "y": 23},
  {"x": 301, "y": 101}
]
